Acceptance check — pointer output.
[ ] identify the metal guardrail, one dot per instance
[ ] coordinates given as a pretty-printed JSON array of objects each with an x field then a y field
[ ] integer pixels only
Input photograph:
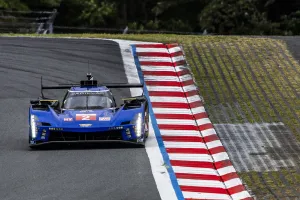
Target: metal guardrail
[
  {"x": 40, "y": 22},
  {"x": 68, "y": 29}
]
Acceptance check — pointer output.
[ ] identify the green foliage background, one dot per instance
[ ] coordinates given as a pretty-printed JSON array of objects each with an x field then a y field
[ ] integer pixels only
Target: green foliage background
[{"x": 250, "y": 17}]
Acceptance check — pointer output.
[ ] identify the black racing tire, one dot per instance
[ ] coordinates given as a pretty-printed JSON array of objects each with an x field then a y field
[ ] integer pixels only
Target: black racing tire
[
  {"x": 142, "y": 145},
  {"x": 33, "y": 147},
  {"x": 29, "y": 139}
]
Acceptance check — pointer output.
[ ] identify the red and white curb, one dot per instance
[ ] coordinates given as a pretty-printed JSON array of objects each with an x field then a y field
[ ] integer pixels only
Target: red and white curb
[{"x": 200, "y": 162}]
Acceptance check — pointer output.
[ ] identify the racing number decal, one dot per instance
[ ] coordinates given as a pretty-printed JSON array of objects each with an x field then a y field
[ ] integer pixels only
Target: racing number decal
[
  {"x": 86, "y": 117},
  {"x": 81, "y": 117}
]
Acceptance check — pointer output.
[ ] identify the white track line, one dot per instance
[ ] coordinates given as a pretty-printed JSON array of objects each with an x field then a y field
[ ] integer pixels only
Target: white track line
[
  {"x": 190, "y": 157},
  {"x": 155, "y": 59},
  {"x": 201, "y": 183},
  {"x": 195, "y": 170},
  {"x": 179, "y": 133},
  {"x": 210, "y": 196},
  {"x": 175, "y": 49},
  {"x": 182, "y": 111},
  {"x": 196, "y": 145},
  {"x": 176, "y": 122},
  {"x": 155, "y": 50},
  {"x": 161, "y": 68}
]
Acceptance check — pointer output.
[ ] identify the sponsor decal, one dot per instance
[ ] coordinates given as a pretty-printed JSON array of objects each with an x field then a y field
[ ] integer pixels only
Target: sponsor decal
[
  {"x": 104, "y": 118},
  {"x": 100, "y": 93},
  {"x": 85, "y": 125},
  {"x": 56, "y": 129},
  {"x": 86, "y": 111},
  {"x": 83, "y": 117},
  {"x": 116, "y": 128},
  {"x": 68, "y": 119}
]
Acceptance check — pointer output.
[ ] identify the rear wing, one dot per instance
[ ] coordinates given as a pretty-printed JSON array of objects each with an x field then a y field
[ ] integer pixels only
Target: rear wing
[
  {"x": 108, "y": 85},
  {"x": 89, "y": 83}
]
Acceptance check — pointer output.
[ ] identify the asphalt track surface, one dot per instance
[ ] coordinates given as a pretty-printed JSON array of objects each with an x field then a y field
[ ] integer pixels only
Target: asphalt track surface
[
  {"x": 110, "y": 172},
  {"x": 293, "y": 43}
]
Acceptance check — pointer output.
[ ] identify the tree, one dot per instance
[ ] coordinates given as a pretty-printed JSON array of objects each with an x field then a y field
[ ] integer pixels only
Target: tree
[
  {"x": 278, "y": 8},
  {"x": 98, "y": 14},
  {"x": 87, "y": 13},
  {"x": 181, "y": 13},
  {"x": 291, "y": 23},
  {"x": 42, "y": 4},
  {"x": 232, "y": 17},
  {"x": 13, "y": 5},
  {"x": 216, "y": 16}
]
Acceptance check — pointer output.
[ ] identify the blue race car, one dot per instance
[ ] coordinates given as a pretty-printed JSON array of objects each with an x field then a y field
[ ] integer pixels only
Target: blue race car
[{"x": 88, "y": 114}]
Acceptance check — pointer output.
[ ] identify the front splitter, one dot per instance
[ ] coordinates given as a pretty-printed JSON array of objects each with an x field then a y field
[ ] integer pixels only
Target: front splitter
[{"x": 92, "y": 142}]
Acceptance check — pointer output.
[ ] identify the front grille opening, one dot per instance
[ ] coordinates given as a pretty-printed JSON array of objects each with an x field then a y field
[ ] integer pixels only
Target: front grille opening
[{"x": 85, "y": 136}]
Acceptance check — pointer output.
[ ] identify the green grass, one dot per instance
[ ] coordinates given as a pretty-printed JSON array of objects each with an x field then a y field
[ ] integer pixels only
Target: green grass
[
  {"x": 282, "y": 184},
  {"x": 239, "y": 60}
]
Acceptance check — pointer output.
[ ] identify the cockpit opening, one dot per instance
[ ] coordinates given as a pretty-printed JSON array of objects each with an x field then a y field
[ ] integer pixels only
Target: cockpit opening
[{"x": 88, "y": 100}]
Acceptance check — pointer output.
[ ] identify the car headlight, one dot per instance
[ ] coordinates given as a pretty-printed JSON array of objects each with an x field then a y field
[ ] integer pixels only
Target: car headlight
[
  {"x": 33, "y": 125},
  {"x": 137, "y": 120}
]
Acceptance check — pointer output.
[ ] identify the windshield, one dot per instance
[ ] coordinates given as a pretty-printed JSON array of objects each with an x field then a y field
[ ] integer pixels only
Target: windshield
[{"x": 88, "y": 100}]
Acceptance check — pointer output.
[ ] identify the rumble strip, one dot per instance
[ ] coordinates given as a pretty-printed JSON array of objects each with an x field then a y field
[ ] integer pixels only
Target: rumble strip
[{"x": 198, "y": 165}]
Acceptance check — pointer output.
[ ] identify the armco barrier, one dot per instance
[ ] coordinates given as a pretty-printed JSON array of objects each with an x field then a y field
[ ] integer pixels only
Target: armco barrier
[{"x": 198, "y": 161}]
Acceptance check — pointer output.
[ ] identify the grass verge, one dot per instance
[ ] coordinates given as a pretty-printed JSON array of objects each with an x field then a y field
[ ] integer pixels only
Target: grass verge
[{"x": 283, "y": 184}]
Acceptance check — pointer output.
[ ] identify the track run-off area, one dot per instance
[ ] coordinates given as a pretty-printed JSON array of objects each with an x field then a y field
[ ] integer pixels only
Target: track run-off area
[{"x": 251, "y": 88}]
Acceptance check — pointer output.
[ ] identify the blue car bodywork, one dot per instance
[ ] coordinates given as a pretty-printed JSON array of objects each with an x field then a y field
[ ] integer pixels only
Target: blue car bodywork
[{"x": 50, "y": 122}]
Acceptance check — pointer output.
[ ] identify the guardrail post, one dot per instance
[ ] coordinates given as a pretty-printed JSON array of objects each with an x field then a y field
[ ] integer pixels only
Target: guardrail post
[
  {"x": 40, "y": 28},
  {"x": 125, "y": 30},
  {"x": 50, "y": 22}
]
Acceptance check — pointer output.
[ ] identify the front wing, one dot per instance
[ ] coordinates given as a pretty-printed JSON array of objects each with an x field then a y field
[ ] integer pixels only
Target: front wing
[{"x": 123, "y": 134}]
